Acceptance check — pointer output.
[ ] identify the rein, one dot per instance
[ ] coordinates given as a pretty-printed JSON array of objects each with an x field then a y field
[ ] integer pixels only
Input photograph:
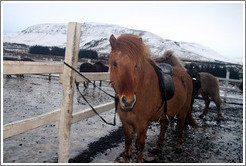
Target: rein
[{"x": 114, "y": 97}]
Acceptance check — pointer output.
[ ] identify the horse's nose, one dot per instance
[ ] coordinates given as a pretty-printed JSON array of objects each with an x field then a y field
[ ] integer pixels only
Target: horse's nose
[{"x": 126, "y": 103}]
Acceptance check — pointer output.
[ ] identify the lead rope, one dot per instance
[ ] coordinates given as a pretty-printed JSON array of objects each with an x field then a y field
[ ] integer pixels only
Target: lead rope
[
  {"x": 116, "y": 99},
  {"x": 88, "y": 79}
]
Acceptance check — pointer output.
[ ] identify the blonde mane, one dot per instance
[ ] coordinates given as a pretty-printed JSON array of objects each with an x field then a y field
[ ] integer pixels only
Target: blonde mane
[{"x": 170, "y": 58}]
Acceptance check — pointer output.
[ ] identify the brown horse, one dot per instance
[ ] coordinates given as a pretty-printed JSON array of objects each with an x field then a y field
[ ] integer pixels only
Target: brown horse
[
  {"x": 209, "y": 88},
  {"x": 135, "y": 81},
  {"x": 210, "y": 91}
]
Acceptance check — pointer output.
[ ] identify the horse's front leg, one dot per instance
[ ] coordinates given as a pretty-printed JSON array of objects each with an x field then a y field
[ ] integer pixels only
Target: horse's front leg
[
  {"x": 140, "y": 142},
  {"x": 127, "y": 154},
  {"x": 159, "y": 144}
]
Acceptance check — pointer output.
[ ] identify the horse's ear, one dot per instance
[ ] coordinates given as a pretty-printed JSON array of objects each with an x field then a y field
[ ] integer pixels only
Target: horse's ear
[{"x": 112, "y": 41}]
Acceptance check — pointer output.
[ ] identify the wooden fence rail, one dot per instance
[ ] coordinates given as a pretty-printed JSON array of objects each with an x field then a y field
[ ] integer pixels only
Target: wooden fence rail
[
  {"x": 21, "y": 67},
  {"x": 227, "y": 89}
]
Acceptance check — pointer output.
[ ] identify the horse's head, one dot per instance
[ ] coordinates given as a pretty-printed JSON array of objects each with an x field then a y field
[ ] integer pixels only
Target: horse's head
[
  {"x": 192, "y": 70},
  {"x": 125, "y": 65}
]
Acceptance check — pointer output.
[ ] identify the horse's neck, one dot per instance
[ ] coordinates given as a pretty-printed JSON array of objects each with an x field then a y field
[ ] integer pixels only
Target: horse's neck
[
  {"x": 150, "y": 83},
  {"x": 149, "y": 73}
]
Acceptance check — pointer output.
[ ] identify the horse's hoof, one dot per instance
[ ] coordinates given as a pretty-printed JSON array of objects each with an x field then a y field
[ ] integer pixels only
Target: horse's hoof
[
  {"x": 154, "y": 151},
  {"x": 140, "y": 161},
  {"x": 121, "y": 159}
]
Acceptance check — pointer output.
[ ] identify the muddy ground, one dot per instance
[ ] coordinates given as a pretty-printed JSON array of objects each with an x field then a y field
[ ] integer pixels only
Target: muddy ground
[{"x": 92, "y": 141}]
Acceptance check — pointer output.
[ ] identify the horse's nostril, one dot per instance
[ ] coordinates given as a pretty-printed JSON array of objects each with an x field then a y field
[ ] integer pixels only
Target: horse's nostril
[
  {"x": 133, "y": 99},
  {"x": 124, "y": 99}
]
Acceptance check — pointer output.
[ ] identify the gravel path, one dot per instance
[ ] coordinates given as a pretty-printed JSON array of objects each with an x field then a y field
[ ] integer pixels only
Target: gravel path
[{"x": 95, "y": 142}]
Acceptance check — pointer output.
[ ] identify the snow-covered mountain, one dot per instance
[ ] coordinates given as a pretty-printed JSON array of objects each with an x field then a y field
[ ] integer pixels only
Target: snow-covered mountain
[{"x": 96, "y": 37}]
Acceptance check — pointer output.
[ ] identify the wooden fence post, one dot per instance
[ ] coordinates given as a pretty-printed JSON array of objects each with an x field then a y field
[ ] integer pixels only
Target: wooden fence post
[
  {"x": 71, "y": 58},
  {"x": 227, "y": 82}
]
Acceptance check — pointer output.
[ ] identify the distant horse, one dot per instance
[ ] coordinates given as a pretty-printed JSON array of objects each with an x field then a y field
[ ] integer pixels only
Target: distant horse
[
  {"x": 16, "y": 59},
  {"x": 133, "y": 76},
  {"x": 97, "y": 67},
  {"x": 210, "y": 91},
  {"x": 100, "y": 67},
  {"x": 209, "y": 88}
]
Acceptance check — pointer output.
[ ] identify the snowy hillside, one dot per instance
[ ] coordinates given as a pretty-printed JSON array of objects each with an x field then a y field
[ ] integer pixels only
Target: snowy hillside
[{"x": 96, "y": 37}]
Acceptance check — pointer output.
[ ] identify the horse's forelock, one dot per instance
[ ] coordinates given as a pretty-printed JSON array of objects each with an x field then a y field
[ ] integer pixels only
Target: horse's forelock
[{"x": 133, "y": 46}]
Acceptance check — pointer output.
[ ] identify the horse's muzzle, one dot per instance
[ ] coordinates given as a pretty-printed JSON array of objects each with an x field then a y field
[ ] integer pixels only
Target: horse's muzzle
[{"x": 127, "y": 104}]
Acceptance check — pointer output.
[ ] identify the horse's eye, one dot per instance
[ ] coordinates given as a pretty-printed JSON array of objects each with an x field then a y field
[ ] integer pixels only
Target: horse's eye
[{"x": 115, "y": 64}]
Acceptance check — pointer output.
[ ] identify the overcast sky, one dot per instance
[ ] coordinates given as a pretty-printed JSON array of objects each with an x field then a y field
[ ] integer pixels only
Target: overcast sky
[{"x": 219, "y": 26}]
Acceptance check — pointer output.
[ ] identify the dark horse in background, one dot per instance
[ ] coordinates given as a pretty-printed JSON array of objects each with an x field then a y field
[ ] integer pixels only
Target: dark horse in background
[
  {"x": 16, "y": 59},
  {"x": 97, "y": 67},
  {"x": 209, "y": 90},
  {"x": 203, "y": 83}
]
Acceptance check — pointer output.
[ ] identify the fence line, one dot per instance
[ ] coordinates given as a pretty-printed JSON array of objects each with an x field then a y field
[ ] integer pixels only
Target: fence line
[
  {"x": 226, "y": 88},
  {"x": 63, "y": 115},
  {"x": 90, "y": 76},
  {"x": 22, "y": 126},
  {"x": 21, "y": 67},
  {"x": 18, "y": 127}
]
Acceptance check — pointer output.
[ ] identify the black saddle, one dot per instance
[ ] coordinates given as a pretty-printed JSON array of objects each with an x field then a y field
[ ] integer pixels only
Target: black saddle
[{"x": 164, "y": 72}]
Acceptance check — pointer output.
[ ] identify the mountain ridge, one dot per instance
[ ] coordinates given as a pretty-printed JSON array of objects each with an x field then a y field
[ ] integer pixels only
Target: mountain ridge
[{"x": 95, "y": 36}]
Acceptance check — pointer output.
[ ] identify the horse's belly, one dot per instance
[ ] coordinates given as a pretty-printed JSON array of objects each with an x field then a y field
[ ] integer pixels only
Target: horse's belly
[{"x": 179, "y": 100}]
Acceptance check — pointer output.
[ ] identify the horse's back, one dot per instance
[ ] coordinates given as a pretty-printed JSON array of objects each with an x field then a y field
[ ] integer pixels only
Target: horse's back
[
  {"x": 209, "y": 85},
  {"x": 101, "y": 67},
  {"x": 208, "y": 81},
  {"x": 183, "y": 77},
  {"x": 209, "y": 77},
  {"x": 87, "y": 67}
]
